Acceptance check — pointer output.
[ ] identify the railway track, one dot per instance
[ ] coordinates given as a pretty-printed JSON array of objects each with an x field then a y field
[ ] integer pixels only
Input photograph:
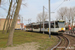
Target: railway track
[
  {"x": 72, "y": 42},
  {"x": 63, "y": 44}
]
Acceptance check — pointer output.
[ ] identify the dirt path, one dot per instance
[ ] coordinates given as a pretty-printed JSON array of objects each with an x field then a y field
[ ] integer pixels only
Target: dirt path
[{"x": 26, "y": 46}]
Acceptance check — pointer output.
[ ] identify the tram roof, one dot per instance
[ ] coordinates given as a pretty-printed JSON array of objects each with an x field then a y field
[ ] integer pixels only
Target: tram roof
[
  {"x": 36, "y": 23},
  {"x": 42, "y": 22}
]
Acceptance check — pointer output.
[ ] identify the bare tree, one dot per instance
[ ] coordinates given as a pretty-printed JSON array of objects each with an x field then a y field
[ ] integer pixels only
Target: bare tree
[
  {"x": 40, "y": 17},
  {"x": 8, "y": 22},
  {"x": 62, "y": 12},
  {"x": 10, "y": 38},
  {"x": 69, "y": 15},
  {"x": 11, "y": 15},
  {"x": 73, "y": 15},
  {"x": 7, "y": 16}
]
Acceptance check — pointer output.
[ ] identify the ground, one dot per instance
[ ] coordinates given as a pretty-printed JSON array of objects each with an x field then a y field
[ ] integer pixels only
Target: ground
[
  {"x": 26, "y": 46},
  {"x": 28, "y": 41}
]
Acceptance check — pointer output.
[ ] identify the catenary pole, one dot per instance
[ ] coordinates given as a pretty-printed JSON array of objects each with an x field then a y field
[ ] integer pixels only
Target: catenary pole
[
  {"x": 49, "y": 21},
  {"x": 43, "y": 19},
  {"x": 22, "y": 23}
]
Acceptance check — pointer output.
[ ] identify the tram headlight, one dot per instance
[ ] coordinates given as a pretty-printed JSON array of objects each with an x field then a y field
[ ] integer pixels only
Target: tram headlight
[{"x": 62, "y": 28}]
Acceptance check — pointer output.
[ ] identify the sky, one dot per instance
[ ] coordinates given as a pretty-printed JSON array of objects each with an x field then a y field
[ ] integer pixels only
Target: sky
[{"x": 34, "y": 7}]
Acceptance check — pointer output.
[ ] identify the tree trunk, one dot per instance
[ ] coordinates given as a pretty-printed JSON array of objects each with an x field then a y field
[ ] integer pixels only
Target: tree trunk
[
  {"x": 8, "y": 23},
  {"x": 10, "y": 38},
  {"x": 7, "y": 16},
  {"x": 11, "y": 18}
]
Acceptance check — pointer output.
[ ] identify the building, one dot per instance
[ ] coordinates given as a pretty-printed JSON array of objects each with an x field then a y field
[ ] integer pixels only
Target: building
[{"x": 2, "y": 20}]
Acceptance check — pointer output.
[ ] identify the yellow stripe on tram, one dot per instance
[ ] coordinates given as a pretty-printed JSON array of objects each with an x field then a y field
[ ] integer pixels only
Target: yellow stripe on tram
[
  {"x": 48, "y": 29},
  {"x": 62, "y": 28}
]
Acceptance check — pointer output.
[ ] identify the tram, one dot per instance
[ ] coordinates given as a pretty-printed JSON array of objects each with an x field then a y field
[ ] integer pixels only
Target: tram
[{"x": 56, "y": 26}]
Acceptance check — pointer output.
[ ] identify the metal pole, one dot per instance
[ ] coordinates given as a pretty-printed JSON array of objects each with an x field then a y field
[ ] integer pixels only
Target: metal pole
[
  {"x": 49, "y": 22},
  {"x": 28, "y": 21},
  {"x": 22, "y": 23},
  {"x": 43, "y": 19},
  {"x": 22, "y": 19},
  {"x": 54, "y": 25}
]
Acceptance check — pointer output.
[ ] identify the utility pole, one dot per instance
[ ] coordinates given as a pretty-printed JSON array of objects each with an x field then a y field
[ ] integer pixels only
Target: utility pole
[
  {"x": 22, "y": 22},
  {"x": 49, "y": 22},
  {"x": 29, "y": 20},
  {"x": 69, "y": 16},
  {"x": 43, "y": 19},
  {"x": 22, "y": 19}
]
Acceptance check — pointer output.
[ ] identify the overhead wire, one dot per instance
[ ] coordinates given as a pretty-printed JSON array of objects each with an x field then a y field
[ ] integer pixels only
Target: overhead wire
[
  {"x": 59, "y": 5},
  {"x": 45, "y": 8}
]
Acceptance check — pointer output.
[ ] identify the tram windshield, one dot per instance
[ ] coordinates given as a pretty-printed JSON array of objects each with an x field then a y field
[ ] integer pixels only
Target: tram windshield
[{"x": 61, "y": 24}]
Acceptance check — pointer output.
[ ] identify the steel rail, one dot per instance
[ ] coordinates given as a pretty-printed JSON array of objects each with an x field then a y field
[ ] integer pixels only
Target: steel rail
[
  {"x": 60, "y": 43},
  {"x": 57, "y": 44}
]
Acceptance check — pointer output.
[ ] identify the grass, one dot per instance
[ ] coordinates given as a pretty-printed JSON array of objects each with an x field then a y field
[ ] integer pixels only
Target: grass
[{"x": 21, "y": 37}]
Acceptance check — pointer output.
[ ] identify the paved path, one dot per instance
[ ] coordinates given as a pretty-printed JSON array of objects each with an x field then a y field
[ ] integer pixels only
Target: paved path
[{"x": 26, "y": 46}]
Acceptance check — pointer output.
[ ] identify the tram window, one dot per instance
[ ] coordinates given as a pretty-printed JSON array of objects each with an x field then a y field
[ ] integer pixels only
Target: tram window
[
  {"x": 46, "y": 25},
  {"x": 27, "y": 26},
  {"x": 30, "y": 26},
  {"x": 36, "y": 26},
  {"x": 61, "y": 24},
  {"x": 52, "y": 25},
  {"x": 41, "y": 25},
  {"x": 56, "y": 25}
]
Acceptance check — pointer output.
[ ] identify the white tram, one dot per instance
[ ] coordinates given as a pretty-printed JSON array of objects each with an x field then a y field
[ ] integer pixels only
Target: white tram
[
  {"x": 36, "y": 27},
  {"x": 56, "y": 26}
]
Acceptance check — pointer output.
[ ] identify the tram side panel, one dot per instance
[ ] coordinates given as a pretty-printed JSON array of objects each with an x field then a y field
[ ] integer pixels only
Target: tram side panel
[
  {"x": 45, "y": 27},
  {"x": 29, "y": 27},
  {"x": 36, "y": 28}
]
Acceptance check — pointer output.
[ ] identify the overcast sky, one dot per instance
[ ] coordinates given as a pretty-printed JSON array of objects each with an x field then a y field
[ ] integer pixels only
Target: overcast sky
[{"x": 34, "y": 7}]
